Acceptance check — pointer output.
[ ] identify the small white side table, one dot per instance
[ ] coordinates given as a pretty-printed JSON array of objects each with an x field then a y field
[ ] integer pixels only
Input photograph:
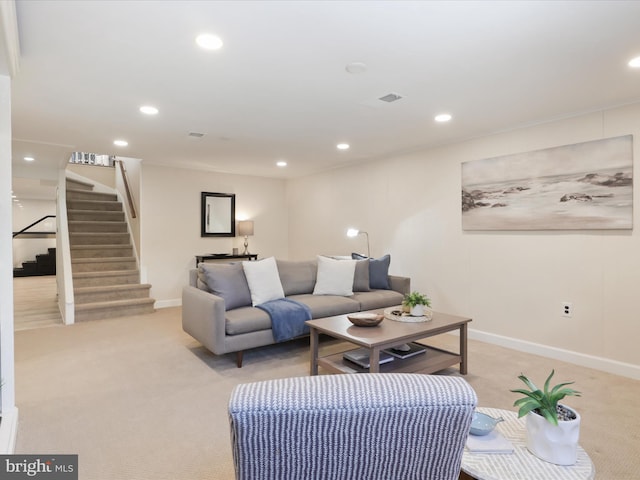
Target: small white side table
[{"x": 521, "y": 464}]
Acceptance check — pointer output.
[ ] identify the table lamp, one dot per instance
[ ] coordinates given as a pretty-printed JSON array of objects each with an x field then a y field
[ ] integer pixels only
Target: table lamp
[{"x": 245, "y": 229}]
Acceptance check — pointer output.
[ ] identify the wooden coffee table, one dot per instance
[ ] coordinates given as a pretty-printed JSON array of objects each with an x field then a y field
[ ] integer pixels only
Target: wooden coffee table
[{"x": 387, "y": 334}]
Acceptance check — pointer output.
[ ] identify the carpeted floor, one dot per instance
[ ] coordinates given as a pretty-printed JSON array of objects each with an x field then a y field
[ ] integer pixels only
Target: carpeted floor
[{"x": 137, "y": 398}]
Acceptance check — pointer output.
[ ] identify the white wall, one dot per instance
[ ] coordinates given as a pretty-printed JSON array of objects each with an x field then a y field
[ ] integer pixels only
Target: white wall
[
  {"x": 24, "y": 247},
  {"x": 7, "y": 373},
  {"x": 511, "y": 283},
  {"x": 170, "y": 223},
  {"x": 104, "y": 175}
]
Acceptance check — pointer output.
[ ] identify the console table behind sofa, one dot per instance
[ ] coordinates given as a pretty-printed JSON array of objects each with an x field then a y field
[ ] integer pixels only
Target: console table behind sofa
[{"x": 225, "y": 256}]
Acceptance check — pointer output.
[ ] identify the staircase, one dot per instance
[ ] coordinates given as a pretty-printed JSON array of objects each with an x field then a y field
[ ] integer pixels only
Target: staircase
[
  {"x": 106, "y": 279},
  {"x": 44, "y": 264}
]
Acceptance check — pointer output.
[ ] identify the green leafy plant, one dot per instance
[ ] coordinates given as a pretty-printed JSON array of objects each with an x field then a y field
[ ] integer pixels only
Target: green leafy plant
[
  {"x": 543, "y": 402},
  {"x": 416, "y": 298}
]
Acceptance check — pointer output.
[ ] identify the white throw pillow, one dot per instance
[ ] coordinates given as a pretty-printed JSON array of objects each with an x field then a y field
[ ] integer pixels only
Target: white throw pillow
[
  {"x": 335, "y": 277},
  {"x": 263, "y": 280}
]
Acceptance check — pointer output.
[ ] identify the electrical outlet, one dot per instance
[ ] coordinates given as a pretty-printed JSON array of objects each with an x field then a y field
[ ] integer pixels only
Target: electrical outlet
[{"x": 567, "y": 309}]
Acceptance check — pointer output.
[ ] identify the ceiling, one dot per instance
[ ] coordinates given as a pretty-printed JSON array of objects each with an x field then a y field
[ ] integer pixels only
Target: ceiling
[{"x": 279, "y": 89}]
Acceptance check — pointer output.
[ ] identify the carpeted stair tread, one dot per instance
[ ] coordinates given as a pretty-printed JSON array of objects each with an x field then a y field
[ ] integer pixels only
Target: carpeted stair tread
[
  {"x": 114, "y": 304},
  {"x": 98, "y": 245},
  {"x": 103, "y": 260},
  {"x": 114, "y": 308},
  {"x": 101, "y": 264},
  {"x": 94, "y": 205},
  {"x": 108, "y": 293},
  {"x": 92, "y": 238},
  {"x": 96, "y": 215},
  {"x": 82, "y": 194},
  {"x": 101, "y": 251},
  {"x": 107, "y": 273},
  {"x": 97, "y": 226},
  {"x": 137, "y": 286}
]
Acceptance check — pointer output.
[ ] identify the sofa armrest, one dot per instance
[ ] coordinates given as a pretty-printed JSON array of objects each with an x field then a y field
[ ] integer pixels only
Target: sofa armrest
[
  {"x": 287, "y": 425},
  {"x": 203, "y": 317},
  {"x": 400, "y": 284}
]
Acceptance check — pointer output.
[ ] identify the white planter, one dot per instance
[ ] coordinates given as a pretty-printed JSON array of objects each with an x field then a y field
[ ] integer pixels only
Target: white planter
[
  {"x": 417, "y": 311},
  {"x": 553, "y": 444}
]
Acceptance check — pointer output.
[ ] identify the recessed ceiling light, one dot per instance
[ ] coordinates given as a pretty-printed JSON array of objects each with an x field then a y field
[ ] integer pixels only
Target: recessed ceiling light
[
  {"x": 149, "y": 110},
  {"x": 634, "y": 62},
  {"x": 342, "y": 146},
  {"x": 443, "y": 117},
  {"x": 121, "y": 143},
  {"x": 281, "y": 163},
  {"x": 209, "y": 41},
  {"x": 29, "y": 159}
]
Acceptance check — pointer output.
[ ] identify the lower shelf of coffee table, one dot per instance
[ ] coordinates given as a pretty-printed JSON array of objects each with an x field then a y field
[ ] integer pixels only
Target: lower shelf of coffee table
[{"x": 433, "y": 360}]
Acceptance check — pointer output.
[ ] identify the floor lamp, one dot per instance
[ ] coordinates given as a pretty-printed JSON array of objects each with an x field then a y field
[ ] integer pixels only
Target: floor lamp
[{"x": 352, "y": 232}]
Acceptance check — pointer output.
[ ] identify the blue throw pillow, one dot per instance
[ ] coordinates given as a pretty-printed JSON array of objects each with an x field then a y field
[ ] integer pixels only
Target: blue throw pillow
[{"x": 378, "y": 271}]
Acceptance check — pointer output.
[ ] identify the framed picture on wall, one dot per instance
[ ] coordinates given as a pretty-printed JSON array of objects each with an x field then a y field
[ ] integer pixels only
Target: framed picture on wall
[
  {"x": 582, "y": 186},
  {"x": 218, "y": 214}
]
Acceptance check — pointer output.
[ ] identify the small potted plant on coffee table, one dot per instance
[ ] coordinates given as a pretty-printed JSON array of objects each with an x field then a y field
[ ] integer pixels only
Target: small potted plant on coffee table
[
  {"x": 415, "y": 302},
  {"x": 552, "y": 428}
]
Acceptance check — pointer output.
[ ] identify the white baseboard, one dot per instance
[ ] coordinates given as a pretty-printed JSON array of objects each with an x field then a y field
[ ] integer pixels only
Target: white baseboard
[
  {"x": 175, "y": 302},
  {"x": 590, "y": 361},
  {"x": 8, "y": 431}
]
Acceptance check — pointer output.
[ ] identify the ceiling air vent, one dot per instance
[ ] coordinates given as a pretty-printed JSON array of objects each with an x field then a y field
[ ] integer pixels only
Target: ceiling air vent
[
  {"x": 390, "y": 97},
  {"x": 196, "y": 134}
]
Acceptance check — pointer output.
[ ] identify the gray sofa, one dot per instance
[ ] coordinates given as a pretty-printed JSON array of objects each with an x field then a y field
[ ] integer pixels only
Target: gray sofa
[{"x": 217, "y": 313}]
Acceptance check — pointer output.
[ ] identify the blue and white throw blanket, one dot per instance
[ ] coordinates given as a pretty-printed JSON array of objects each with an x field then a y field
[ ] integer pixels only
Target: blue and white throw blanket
[{"x": 287, "y": 318}]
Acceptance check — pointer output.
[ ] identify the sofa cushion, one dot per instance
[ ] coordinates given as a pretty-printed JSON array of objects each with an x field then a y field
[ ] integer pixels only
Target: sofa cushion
[
  {"x": 225, "y": 280},
  {"x": 378, "y": 299},
  {"x": 378, "y": 271},
  {"x": 246, "y": 320},
  {"x": 335, "y": 277},
  {"x": 297, "y": 277},
  {"x": 327, "y": 305},
  {"x": 263, "y": 279}
]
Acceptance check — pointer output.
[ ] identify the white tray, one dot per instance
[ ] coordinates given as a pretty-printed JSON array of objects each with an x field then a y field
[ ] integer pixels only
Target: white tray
[{"x": 405, "y": 317}]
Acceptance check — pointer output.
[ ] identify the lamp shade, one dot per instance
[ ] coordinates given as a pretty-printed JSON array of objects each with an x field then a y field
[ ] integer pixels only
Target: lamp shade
[{"x": 245, "y": 228}]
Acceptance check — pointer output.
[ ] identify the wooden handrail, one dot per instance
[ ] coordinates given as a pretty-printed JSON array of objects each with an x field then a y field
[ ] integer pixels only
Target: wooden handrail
[
  {"x": 123, "y": 170},
  {"x": 34, "y": 223}
]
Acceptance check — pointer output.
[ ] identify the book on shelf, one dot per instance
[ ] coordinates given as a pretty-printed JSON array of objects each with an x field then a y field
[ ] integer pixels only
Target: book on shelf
[
  {"x": 360, "y": 357},
  {"x": 407, "y": 350}
]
